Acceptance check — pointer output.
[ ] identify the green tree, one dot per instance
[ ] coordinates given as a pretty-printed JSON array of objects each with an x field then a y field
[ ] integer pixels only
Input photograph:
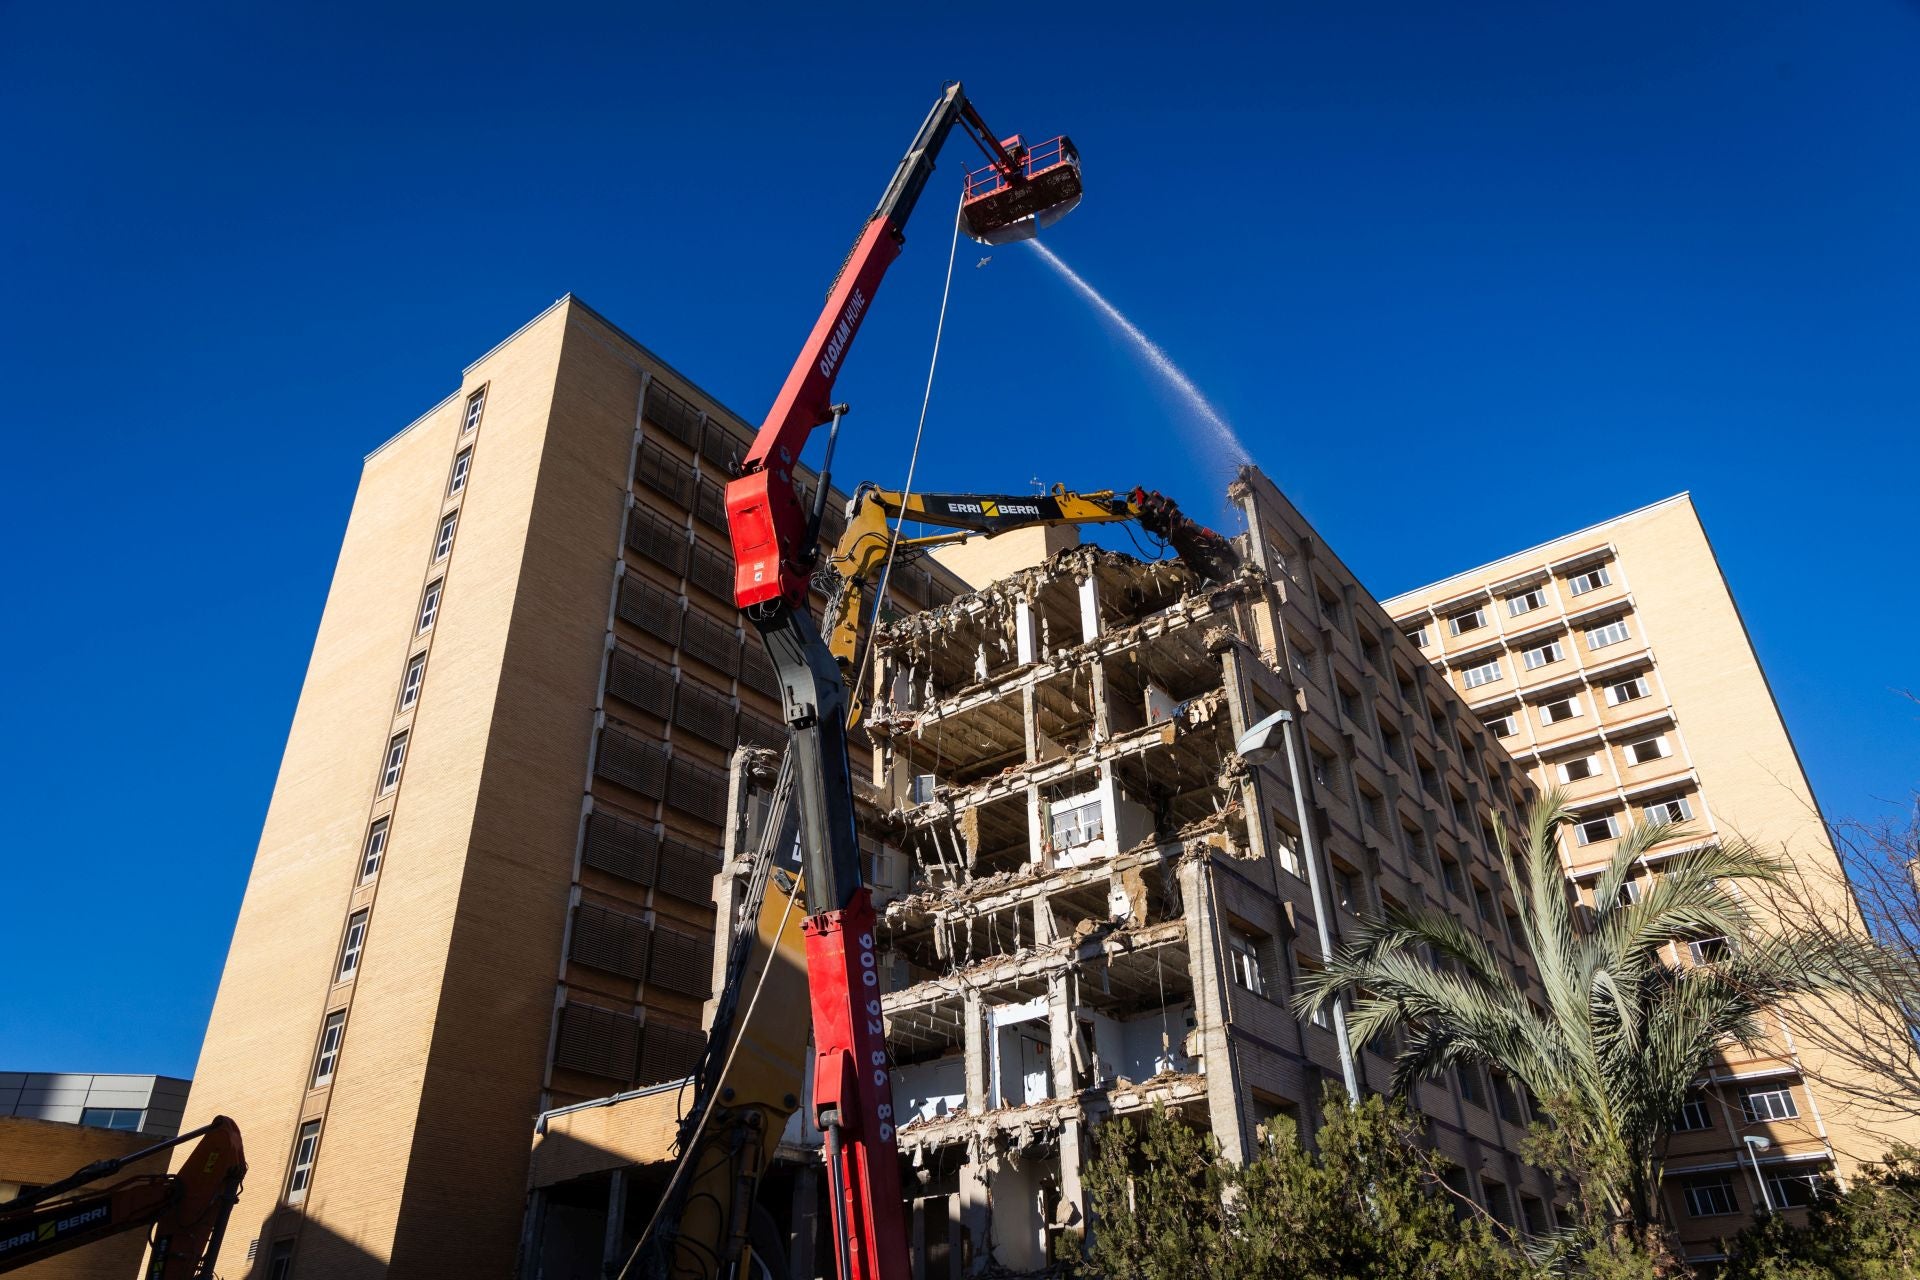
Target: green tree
[
  {"x": 1369, "y": 1202},
  {"x": 1624, "y": 1030},
  {"x": 1157, "y": 1195},
  {"x": 1870, "y": 1231}
]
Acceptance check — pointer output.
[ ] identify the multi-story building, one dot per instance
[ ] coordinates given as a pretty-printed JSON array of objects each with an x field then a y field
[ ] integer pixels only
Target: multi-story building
[
  {"x": 484, "y": 892},
  {"x": 1613, "y": 663},
  {"x": 1098, "y": 904},
  {"x": 135, "y": 1103},
  {"x": 484, "y": 886}
]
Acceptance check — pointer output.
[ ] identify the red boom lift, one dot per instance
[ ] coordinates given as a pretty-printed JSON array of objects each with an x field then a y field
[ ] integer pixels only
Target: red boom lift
[{"x": 775, "y": 540}]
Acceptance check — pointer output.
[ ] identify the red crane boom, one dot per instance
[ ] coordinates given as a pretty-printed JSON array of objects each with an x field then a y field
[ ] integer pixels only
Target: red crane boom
[{"x": 775, "y": 547}]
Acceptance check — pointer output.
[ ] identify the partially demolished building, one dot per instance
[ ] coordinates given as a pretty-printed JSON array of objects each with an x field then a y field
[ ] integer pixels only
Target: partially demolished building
[{"x": 1096, "y": 905}]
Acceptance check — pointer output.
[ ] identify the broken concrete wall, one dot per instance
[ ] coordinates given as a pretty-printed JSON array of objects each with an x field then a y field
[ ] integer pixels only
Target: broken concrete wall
[{"x": 1091, "y": 904}]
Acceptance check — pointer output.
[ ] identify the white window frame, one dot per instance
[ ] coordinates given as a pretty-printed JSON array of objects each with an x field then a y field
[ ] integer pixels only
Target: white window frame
[
  {"x": 1706, "y": 950},
  {"x": 396, "y": 760},
  {"x": 1778, "y": 1103},
  {"x": 1489, "y": 672},
  {"x": 1589, "y": 580},
  {"x": 306, "y": 1149},
  {"x": 1243, "y": 962},
  {"x": 443, "y": 544},
  {"x": 1694, "y": 1116},
  {"x": 1662, "y": 749},
  {"x": 429, "y": 606},
  {"x": 375, "y": 850},
  {"x": 1704, "y": 1198},
  {"x": 1614, "y": 632},
  {"x": 1778, "y": 1182},
  {"x": 1458, "y": 623},
  {"x": 1511, "y": 721},
  {"x": 1639, "y": 685},
  {"x": 1543, "y": 655},
  {"x": 332, "y": 1031},
  {"x": 1419, "y": 637},
  {"x": 1289, "y": 847},
  {"x": 462, "y": 468},
  {"x": 1068, "y": 826},
  {"x": 1527, "y": 601},
  {"x": 1586, "y": 837},
  {"x": 1675, "y": 810},
  {"x": 352, "y": 943},
  {"x": 415, "y": 677},
  {"x": 1593, "y": 768},
  {"x": 476, "y": 405},
  {"x": 1571, "y": 702}
]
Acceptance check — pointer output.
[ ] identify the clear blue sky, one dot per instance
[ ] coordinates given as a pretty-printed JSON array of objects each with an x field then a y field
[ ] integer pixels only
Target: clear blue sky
[{"x": 1420, "y": 254}]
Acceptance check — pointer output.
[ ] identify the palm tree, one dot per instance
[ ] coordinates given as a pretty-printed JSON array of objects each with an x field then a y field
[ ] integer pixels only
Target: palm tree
[{"x": 1626, "y": 1026}]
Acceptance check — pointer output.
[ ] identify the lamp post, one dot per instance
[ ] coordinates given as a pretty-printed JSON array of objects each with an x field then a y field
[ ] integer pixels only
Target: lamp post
[
  {"x": 1755, "y": 1145},
  {"x": 1256, "y": 745}
]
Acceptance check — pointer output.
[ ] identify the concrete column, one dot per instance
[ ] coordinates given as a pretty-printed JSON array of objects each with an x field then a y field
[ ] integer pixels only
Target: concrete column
[
  {"x": 1224, "y": 1111},
  {"x": 973, "y": 1244},
  {"x": 976, "y": 1052},
  {"x": 613, "y": 1252},
  {"x": 1060, "y": 1032}
]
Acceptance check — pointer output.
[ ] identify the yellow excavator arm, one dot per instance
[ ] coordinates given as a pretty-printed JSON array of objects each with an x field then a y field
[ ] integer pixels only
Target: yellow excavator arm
[{"x": 875, "y": 514}]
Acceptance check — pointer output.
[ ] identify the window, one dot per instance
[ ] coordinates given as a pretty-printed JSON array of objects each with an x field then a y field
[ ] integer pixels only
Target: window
[
  {"x": 461, "y": 465},
  {"x": 1077, "y": 822},
  {"x": 376, "y": 846},
  {"x": 1503, "y": 726},
  {"x": 1469, "y": 1077},
  {"x": 1708, "y": 1197},
  {"x": 1526, "y": 602},
  {"x": 410, "y": 687},
  {"x": 330, "y": 1033},
  {"x": 1627, "y": 691},
  {"x": 429, "y": 608},
  {"x": 1674, "y": 810},
  {"x": 1596, "y": 829},
  {"x": 1287, "y": 844},
  {"x": 1769, "y": 1103},
  {"x": 305, "y": 1148},
  {"x": 1450, "y": 874},
  {"x": 1243, "y": 960},
  {"x": 1707, "y": 950},
  {"x": 1575, "y": 770},
  {"x": 1564, "y": 709},
  {"x": 476, "y": 403},
  {"x": 1793, "y": 1190},
  {"x": 1648, "y": 749},
  {"x": 128, "y": 1118},
  {"x": 1592, "y": 580},
  {"x": 280, "y": 1261},
  {"x": 396, "y": 756},
  {"x": 1472, "y": 620},
  {"x": 444, "y": 543},
  {"x": 1419, "y": 637},
  {"x": 1693, "y": 1116},
  {"x": 351, "y": 945},
  {"x": 1540, "y": 655},
  {"x": 1486, "y": 673},
  {"x": 1613, "y": 633},
  {"x": 1347, "y": 891}
]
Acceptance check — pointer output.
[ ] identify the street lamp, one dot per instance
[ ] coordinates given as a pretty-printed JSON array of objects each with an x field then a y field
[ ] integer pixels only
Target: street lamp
[
  {"x": 1755, "y": 1145},
  {"x": 1258, "y": 744}
]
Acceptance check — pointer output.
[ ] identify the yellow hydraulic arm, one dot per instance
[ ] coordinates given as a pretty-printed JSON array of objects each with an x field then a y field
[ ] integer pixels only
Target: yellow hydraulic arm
[{"x": 861, "y": 555}]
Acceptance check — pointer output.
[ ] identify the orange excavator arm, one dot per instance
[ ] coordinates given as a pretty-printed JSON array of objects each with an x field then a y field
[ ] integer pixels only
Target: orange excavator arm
[{"x": 187, "y": 1209}]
